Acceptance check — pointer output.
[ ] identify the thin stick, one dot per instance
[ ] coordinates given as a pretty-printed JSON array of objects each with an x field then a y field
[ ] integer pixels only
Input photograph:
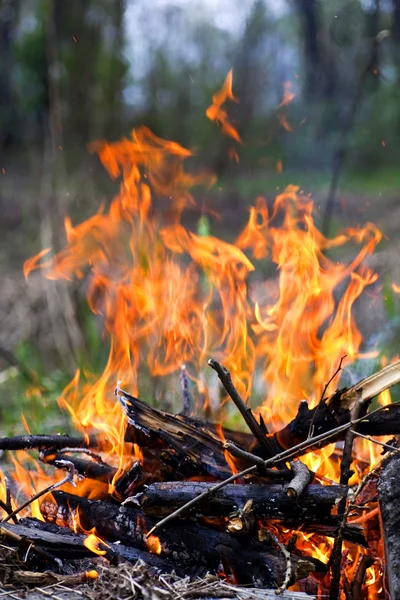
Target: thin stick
[
  {"x": 288, "y": 573},
  {"x": 366, "y": 517},
  {"x": 68, "y": 479},
  {"x": 283, "y": 456},
  {"x": 96, "y": 457},
  {"x": 311, "y": 430},
  {"x": 253, "y": 459},
  {"x": 375, "y": 441},
  {"x": 345, "y": 475},
  {"x": 27, "y": 442},
  {"x": 245, "y": 411}
]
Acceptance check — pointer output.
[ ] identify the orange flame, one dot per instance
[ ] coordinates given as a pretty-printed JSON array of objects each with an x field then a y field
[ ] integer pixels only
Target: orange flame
[
  {"x": 216, "y": 113},
  {"x": 93, "y": 543},
  {"x": 153, "y": 544}
]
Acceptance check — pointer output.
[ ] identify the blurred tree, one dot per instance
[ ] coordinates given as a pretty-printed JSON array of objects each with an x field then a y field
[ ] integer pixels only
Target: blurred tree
[
  {"x": 396, "y": 20},
  {"x": 9, "y": 13},
  {"x": 320, "y": 68}
]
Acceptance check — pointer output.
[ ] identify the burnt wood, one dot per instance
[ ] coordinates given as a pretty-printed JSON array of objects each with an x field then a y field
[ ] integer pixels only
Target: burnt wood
[
  {"x": 313, "y": 510},
  {"x": 185, "y": 543},
  {"x": 88, "y": 468},
  {"x": 325, "y": 417},
  {"x": 189, "y": 447},
  {"x": 270, "y": 500},
  {"x": 61, "y": 542}
]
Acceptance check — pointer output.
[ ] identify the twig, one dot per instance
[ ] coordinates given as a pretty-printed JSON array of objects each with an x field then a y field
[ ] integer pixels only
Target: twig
[
  {"x": 375, "y": 441},
  {"x": 68, "y": 479},
  {"x": 256, "y": 460},
  {"x": 345, "y": 475},
  {"x": 87, "y": 468},
  {"x": 96, "y": 457},
  {"x": 364, "y": 518},
  {"x": 356, "y": 587},
  {"x": 187, "y": 400},
  {"x": 4, "y": 506},
  {"x": 302, "y": 477},
  {"x": 311, "y": 430},
  {"x": 288, "y": 572},
  {"x": 237, "y": 452},
  {"x": 283, "y": 456},
  {"x": 245, "y": 411}
]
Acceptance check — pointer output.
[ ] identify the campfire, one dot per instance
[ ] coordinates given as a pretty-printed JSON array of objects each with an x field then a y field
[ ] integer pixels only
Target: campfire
[{"x": 292, "y": 493}]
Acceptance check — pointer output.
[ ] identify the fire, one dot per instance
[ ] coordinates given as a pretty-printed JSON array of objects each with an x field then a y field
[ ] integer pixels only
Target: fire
[
  {"x": 153, "y": 544},
  {"x": 215, "y": 112},
  {"x": 169, "y": 296},
  {"x": 94, "y": 543}
]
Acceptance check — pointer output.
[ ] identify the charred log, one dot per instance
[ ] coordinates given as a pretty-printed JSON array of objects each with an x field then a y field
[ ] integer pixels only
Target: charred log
[
  {"x": 184, "y": 543},
  {"x": 270, "y": 502},
  {"x": 62, "y": 543}
]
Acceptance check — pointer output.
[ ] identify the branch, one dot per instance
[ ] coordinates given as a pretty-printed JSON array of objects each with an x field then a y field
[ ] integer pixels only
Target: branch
[
  {"x": 245, "y": 411},
  {"x": 28, "y": 442},
  {"x": 302, "y": 477}
]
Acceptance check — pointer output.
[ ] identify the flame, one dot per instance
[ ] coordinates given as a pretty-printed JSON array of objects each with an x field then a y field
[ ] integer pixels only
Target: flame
[
  {"x": 215, "y": 112},
  {"x": 288, "y": 95},
  {"x": 93, "y": 543},
  {"x": 153, "y": 544},
  {"x": 396, "y": 288}
]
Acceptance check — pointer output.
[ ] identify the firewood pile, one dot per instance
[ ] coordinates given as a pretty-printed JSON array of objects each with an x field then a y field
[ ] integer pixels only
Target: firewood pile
[{"x": 207, "y": 502}]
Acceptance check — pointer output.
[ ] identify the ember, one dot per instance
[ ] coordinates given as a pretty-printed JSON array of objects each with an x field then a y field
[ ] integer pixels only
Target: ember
[{"x": 171, "y": 297}]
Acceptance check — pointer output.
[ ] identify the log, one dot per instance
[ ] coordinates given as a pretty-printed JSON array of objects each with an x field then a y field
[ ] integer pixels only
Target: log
[
  {"x": 269, "y": 501},
  {"x": 185, "y": 543},
  {"x": 312, "y": 510},
  {"x": 389, "y": 502}
]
